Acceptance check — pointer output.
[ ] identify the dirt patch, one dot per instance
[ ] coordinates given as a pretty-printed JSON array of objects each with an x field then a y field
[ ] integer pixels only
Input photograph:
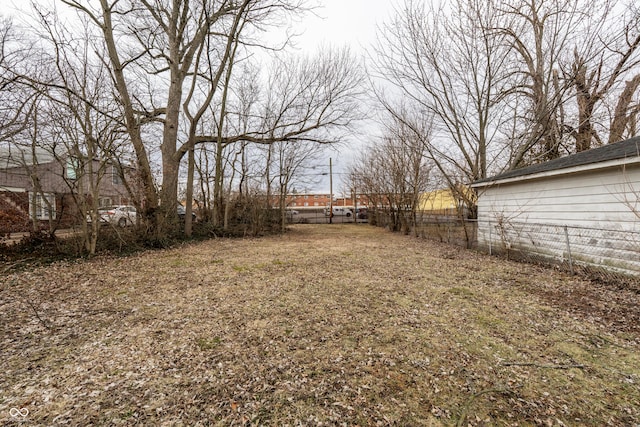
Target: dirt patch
[{"x": 327, "y": 325}]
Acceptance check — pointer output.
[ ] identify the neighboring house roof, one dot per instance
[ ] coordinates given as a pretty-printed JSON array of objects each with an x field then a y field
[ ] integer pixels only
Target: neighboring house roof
[
  {"x": 623, "y": 150},
  {"x": 14, "y": 156}
]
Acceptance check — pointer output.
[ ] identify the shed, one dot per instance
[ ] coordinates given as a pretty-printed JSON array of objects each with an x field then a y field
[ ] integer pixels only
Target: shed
[{"x": 583, "y": 208}]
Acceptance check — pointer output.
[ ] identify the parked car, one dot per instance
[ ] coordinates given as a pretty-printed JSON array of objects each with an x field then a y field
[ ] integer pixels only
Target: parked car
[
  {"x": 182, "y": 212},
  {"x": 361, "y": 213},
  {"x": 292, "y": 215},
  {"x": 101, "y": 216},
  {"x": 122, "y": 216},
  {"x": 339, "y": 211}
]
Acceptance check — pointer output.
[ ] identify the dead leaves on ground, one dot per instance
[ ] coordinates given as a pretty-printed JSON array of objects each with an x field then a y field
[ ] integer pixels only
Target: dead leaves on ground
[{"x": 324, "y": 326}]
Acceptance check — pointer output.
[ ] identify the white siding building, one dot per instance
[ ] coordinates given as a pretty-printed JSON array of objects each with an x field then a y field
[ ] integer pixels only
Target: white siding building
[{"x": 584, "y": 208}]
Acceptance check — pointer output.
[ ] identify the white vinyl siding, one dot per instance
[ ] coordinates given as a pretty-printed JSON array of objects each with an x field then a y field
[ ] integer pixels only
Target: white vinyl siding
[
  {"x": 597, "y": 199},
  {"x": 592, "y": 209}
]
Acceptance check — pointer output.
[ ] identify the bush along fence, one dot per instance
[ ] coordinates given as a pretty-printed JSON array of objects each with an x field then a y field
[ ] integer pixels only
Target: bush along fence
[{"x": 604, "y": 254}]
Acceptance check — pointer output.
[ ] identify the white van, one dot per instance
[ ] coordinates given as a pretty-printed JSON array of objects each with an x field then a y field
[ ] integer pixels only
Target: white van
[{"x": 339, "y": 211}]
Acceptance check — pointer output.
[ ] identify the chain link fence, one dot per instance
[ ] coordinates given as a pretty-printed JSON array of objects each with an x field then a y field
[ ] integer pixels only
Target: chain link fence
[
  {"x": 448, "y": 229},
  {"x": 602, "y": 254},
  {"x": 304, "y": 215},
  {"x": 605, "y": 254}
]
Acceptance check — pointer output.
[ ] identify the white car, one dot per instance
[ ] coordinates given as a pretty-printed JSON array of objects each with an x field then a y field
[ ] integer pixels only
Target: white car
[
  {"x": 339, "y": 211},
  {"x": 122, "y": 216}
]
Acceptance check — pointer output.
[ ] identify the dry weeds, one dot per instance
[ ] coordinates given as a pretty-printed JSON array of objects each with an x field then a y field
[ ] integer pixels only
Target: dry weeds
[{"x": 327, "y": 325}]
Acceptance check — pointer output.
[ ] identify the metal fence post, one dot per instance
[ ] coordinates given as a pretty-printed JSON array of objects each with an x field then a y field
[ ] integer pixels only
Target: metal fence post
[
  {"x": 566, "y": 235},
  {"x": 490, "y": 238}
]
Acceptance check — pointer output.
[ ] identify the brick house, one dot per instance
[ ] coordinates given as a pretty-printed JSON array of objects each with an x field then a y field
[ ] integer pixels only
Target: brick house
[
  {"x": 322, "y": 200},
  {"x": 61, "y": 184}
]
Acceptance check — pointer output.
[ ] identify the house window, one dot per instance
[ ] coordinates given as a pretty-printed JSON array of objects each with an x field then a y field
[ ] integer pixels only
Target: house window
[
  {"x": 105, "y": 202},
  {"x": 117, "y": 179},
  {"x": 315, "y": 196},
  {"x": 293, "y": 204},
  {"x": 316, "y": 204},
  {"x": 306, "y": 196},
  {"x": 43, "y": 205},
  {"x": 72, "y": 168},
  {"x": 306, "y": 203}
]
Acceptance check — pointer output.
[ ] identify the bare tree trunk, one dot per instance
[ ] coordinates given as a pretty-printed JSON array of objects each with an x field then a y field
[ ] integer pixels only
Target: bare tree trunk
[
  {"x": 205, "y": 186},
  {"x": 188, "y": 226},
  {"x": 170, "y": 160},
  {"x": 622, "y": 115},
  {"x": 267, "y": 173},
  {"x": 131, "y": 122},
  {"x": 218, "y": 182}
]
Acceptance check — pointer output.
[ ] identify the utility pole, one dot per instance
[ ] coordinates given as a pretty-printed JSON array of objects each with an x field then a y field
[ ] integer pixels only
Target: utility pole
[
  {"x": 330, "y": 192},
  {"x": 355, "y": 204}
]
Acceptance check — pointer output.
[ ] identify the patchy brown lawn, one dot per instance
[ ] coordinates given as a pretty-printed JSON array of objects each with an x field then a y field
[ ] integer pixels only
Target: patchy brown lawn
[{"x": 328, "y": 325}]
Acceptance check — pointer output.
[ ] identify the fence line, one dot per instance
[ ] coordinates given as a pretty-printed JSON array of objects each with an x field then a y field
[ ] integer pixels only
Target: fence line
[{"x": 598, "y": 253}]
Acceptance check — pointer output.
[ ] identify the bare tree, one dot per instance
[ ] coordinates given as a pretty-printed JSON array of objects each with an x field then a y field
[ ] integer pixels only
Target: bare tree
[
  {"x": 608, "y": 52},
  {"x": 312, "y": 101},
  {"x": 78, "y": 121},
  {"x": 162, "y": 42},
  {"x": 84, "y": 126},
  {"x": 450, "y": 68},
  {"x": 291, "y": 160},
  {"x": 226, "y": 63},
  {"x": 625, "y": 119},
  {"x": 625, "y": 116},
  {"x": 184, "y": 48},
  {"x": 17, "y": 102},
  {"x": 306, "y": 100},
  {"x": 541, "y": 34},
  {"x": 393, "y": 173},
  {"x": 496, "y": 79}
]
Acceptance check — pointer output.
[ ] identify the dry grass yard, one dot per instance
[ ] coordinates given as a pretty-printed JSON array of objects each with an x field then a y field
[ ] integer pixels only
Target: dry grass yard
[{"x": 327, "y": 325}]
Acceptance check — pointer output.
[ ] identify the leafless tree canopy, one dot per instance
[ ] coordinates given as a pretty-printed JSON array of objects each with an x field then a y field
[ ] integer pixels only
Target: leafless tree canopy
[
  {"x": 506, "y": 83},
  {"x": 393, "y": 174},
  {"x": 148, "y": 84},
  {"x": 175, "y": 90}
]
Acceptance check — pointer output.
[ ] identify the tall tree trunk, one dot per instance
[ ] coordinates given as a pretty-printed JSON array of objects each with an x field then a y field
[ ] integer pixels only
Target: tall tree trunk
[
  {"x": 170, "y": 159},
  {"x": 131, "y": 122},
  {"x": 218, "y": 182},
  {"x": 586, "y": 104},
  {"x": 622, "y": 114},
  {"x": 188, "y": 223}
]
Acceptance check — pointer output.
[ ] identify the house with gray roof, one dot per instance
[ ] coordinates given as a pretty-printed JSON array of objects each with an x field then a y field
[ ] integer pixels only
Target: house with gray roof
[
  {"x": 583, "y": 208},
  {"x": 41, "y": 185}
]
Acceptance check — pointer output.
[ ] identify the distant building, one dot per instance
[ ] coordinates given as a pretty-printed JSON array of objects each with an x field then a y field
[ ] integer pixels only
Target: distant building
[
  {"x": 444, "y": 202},
  {"x": 322, "y": 200}
]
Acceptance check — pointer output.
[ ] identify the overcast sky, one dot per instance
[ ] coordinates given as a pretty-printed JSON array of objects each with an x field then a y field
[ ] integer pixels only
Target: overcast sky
[
  {"x": 350, "y": 22},
  {"x": 336, "y": 23}
]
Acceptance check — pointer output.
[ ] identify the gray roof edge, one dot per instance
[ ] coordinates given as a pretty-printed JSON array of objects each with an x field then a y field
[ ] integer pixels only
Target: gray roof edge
[{"x": 617, "y": 150}]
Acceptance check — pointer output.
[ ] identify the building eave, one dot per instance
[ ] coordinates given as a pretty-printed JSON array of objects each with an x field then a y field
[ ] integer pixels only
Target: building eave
[{"x": 615, "y": 163}]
